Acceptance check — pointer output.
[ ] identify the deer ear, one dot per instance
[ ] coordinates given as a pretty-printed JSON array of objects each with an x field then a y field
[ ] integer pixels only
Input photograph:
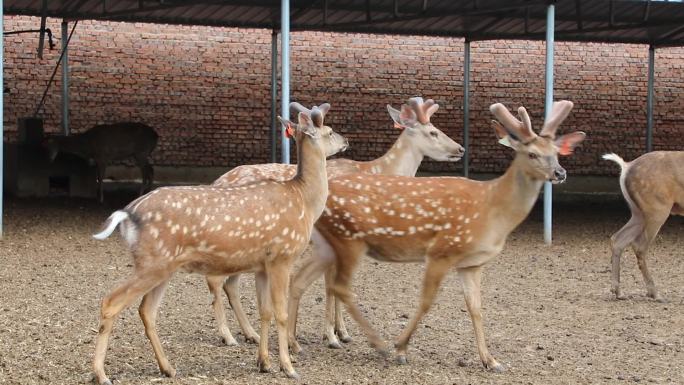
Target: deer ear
[
  {"x": 503, "y": 134},
  {"x": 566, "y": 144},
  {"x": 405, "y": 118},
  {"x": 288, "y": 126},
  {"x": 306, "y": 125}
]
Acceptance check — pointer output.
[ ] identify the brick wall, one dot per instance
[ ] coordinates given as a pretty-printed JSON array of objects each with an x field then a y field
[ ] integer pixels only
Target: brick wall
[{"x": 207, "y": 90}]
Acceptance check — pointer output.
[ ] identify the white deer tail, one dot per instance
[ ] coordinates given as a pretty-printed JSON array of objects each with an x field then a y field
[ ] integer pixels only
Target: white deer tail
[
  {"x": 617, "y": 159},
  {"x": 624, "y": 167},
  {"x": 110, "y": 224}
]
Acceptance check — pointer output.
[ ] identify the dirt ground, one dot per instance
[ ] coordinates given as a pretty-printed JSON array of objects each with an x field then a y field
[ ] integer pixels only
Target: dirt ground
[{"x": 549, "y": 316}]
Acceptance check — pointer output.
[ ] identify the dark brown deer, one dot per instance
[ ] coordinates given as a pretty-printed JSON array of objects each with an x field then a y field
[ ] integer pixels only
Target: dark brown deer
[
  {"x": 106, "y": 143},
  {"x": 653, "y": 186}
]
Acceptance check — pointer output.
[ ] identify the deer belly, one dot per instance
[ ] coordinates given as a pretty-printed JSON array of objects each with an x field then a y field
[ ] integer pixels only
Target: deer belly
[{"x": 395, "y": 251}]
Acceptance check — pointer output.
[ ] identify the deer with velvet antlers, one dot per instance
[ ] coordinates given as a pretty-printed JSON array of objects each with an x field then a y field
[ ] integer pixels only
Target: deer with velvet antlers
[
  {"x": 448, "y": 222},
  {"x": 653, "y": 186},
  {"x": 419, "y": 138},
  {"x": 259, "y": 227}
]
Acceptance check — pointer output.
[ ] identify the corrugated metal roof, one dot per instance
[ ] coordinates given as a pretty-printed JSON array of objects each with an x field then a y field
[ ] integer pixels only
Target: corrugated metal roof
[{"x": 659, "y": 23}]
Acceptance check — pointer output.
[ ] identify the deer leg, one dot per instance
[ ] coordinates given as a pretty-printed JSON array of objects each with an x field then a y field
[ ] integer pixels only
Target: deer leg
[
  {"x": 340, "y": 327},
  {"x": 321, "y": 259},
  {"x": 120, "y": 298},
  {"x": 146, "y": 173},
  {"x": 214, "y": 283},
  {"x": 101, "y": 168},
  {"x": 278, "y": 276},
  {"x": 619, "y": 241},
  {"x": 231, "y": 287},
  {"x": 435, "y": 271},
  {"x": 641, "y": 246},
  {"x": 471, "y": 278},
  {"x": 330, "y": 305},
  {"x": 346, "y": 262},
  {"x": 265, "y": 314},
  {"x": 148, "y": 311}
]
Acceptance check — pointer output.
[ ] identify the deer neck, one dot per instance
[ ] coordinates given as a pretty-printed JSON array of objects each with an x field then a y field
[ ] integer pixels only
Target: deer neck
[
  {"x": 311, "y": 175},
  {"x": 74, "y": 144},
  {"x": 513, "y": 195},
  {"x": 403, "y": 158}
]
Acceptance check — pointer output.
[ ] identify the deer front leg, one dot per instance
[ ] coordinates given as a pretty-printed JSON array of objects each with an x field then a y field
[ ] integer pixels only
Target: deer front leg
[
  {"x": 231, "y": 287},
  {"x": 101, "y": 168},
  {"x": 435, "y": 271},
  {"x": 278, "y": 276},
  {"x": 330, "y": 307},
  {"x": 340, "y": 327},
  {"x": 265, "y": 314},
  {"x": 148, "y": 311},
  {"x": 214, "y": 283},
  {"x": 471, "y": 278}
]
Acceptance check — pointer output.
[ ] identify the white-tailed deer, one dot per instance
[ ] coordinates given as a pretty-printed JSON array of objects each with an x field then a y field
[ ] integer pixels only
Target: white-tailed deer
[
  {"x": 419, "y": 139},
  {"x": 209, "y": 230},
  {"x": 653, "y": 186},
  {"x": 106, "y": 143},
  {"x": 448, "y": 222}
]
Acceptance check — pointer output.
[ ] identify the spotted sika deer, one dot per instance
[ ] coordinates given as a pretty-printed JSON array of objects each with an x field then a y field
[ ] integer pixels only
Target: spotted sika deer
[
  {"x": 106, "y": 143},
  {"x": 448, "y": 222},
  {"x": 260, "y": 228},
  {"x": 419, "y": 138},
  {"x": 653, "y": 186}
]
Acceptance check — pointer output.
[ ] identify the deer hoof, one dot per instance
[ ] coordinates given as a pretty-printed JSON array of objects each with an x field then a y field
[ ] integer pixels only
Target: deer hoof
[
  {"x": 293, "y": 375},
  {"x": 401, "y": 360},
  {"x": 264, "y": 365},
  {"x": 252, "y": 339},
  {"x": 344, "y": 337},
  {"x": 169, "y": 372},
  {"x": 229, "y": 341},
  {"x": 106, "y": 382},
  {"x": 496, "y": 368},
  {"x": 334, "y": 345}
]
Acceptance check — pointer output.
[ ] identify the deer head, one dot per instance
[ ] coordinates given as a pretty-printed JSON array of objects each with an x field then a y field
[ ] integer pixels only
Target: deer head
[
  {"x": 414, "y": 119},
  {"x": 323, "y": 136},
  {"x": 536, "y": 154}
]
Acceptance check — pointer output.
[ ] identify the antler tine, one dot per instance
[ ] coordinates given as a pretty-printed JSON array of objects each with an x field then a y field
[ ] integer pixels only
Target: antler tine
[
  {"x": 559, "y": 112},
  {"x": 317, "y": 116},
  {"x": 299, "y": 108},
  {"x": 431, "y": 108},
  {"x": 511, "y": 123},
  {"x": 325, "y": 107},
  {"x": 417, "y": 106},
  {"x": 527, "y": 123}
]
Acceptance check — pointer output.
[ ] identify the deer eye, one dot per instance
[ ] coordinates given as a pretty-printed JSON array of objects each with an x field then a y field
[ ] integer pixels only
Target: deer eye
[
  {"x": 532, "y": 155},
  {"x": 434, "y": 134}
]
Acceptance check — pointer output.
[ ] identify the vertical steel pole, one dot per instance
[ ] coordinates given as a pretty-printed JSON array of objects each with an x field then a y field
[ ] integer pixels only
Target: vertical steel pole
[
  {"x": 2, "y": 121},
  {"x": 274, "y": 95},
  {"x": 466, "y": 107},
  {"x": 649, "y": 99},
  {"x": 285, "y": 74},
  {"x": 65, "y": 78},
  {"x": 548, "y": 104}
]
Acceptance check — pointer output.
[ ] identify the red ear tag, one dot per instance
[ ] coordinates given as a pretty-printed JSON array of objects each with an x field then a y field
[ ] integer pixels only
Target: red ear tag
[
  {"x": 289, "y": 132},
  {"x": 565, "y": 149},
  {"x": 399, "y": 126}
]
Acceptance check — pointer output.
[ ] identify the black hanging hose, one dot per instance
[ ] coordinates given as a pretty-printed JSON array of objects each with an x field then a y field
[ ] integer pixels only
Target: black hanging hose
[
  {"x": 47, "y": 30},
  {"x": 47, "y": 88}
]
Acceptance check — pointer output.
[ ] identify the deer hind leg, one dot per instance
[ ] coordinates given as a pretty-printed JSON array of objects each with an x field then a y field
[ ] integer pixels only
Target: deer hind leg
[
  {"x": 120, "y": 298},
  {"x": 435, "y": 271},
  {"x": 214, "y": 283},
  {"x": 340, "y": 327},
  {"x": 619, "y": 241},
  {"x": 231, "y": 287},
  {"x": 641, "y": 245},
  {"x": 146, "y": 173},
  {"x": 471, "y": 278},
  {"x": 321, "y": 259},
  {"x": 278, "y": 277},
  {"x": 148, "y": 311},
  {"x": 347, "y": 259},
  {"x": 265, "y": 315}
]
